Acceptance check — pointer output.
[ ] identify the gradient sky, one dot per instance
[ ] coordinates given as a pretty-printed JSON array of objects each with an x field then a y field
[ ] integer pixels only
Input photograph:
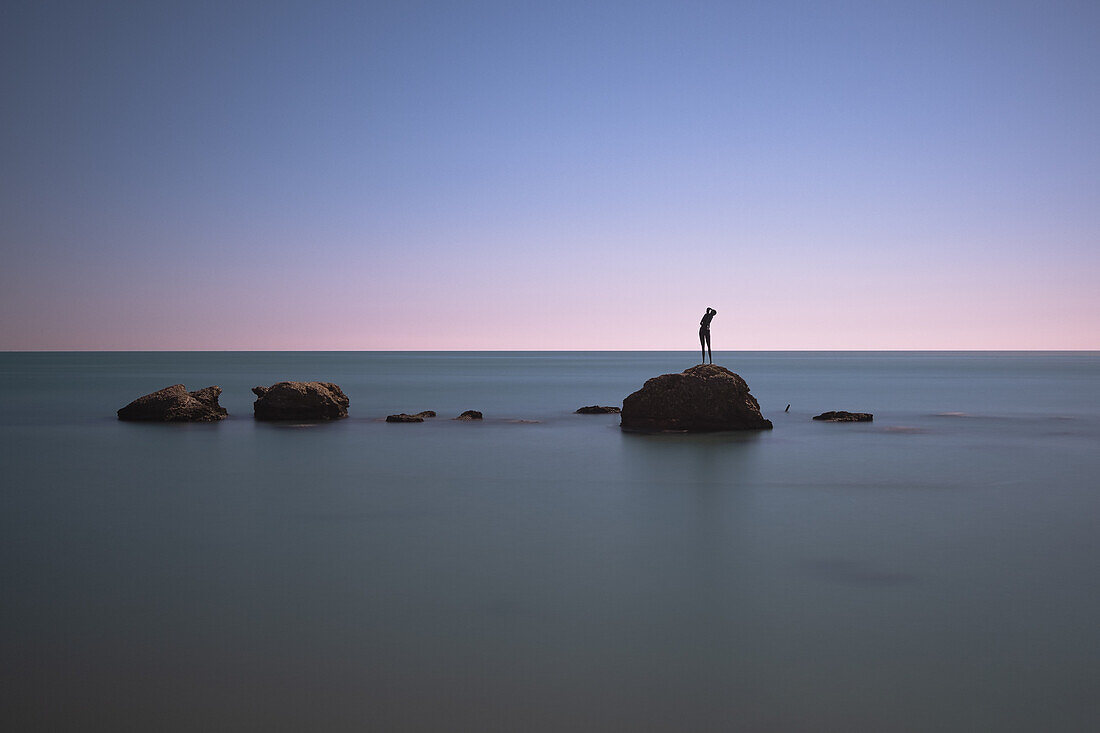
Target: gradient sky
[{"x": 550, "y": 175}]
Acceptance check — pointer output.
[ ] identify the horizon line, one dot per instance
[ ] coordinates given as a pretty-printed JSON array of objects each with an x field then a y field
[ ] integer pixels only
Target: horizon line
[{"x": 524, "y": 351}]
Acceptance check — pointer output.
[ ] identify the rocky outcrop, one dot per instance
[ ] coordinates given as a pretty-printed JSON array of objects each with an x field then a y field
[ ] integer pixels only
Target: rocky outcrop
[
  {"x": 842, "y": 416},
  {"x": 418, "y": 417},
  {"x": 703, "y": 398},
  {"x": 598, "y": 410},
  {"x": 469, "y": 415},
  {"x": 300, "y": 401},
  {"x": 176, "y": 404}
]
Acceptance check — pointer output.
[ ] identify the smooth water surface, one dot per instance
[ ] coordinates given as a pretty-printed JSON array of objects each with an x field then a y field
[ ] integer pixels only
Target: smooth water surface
[{"x": 937, "y": 569}]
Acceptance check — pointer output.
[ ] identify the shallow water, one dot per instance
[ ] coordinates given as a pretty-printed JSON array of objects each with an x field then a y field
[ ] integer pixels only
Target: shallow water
[{"x": 937, "y": 569}]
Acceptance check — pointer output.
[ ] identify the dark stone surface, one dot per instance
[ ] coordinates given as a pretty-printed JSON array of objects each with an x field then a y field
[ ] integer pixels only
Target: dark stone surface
[
  {"x": 842, "y": 416},
  {"x": 703, "y": 398},
  {"x": 469, "y": 415},
  {"x": 176, "y": 404},
  {"x": 300, "y": 401},
  {"x": 598, "y": 410},
  {"x": 410, "y": 418}
]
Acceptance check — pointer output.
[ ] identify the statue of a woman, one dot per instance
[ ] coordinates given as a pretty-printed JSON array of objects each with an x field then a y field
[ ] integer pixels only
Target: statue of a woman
[{"x": 704, "y": 334}]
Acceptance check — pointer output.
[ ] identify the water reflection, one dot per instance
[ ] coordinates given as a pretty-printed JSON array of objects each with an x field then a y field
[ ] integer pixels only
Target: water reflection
[{"x": 697, "y": 490}]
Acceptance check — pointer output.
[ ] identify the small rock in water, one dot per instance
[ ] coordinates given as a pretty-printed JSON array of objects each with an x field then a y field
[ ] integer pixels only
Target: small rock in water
[
  {"x": 842, "y": 416},
  {"x": 404, "y": 418},
  {"x": 598, "y": 410},
  {"x": 469, "y": 415},
  {"x": 176, "y": 404}
]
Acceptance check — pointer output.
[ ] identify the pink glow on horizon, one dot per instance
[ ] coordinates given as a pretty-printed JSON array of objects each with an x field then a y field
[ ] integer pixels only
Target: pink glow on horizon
[{"x": 541, "y": 298}]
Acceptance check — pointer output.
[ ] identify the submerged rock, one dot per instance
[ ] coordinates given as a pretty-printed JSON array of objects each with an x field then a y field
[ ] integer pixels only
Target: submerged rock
[
  {"x": 176, "y": 404},
  {"x": 842, "y": 416},
  {"x": 598, "y": 410},
  {"x": 469, "y": 415},
  {"x": 703, "y": 398},
  {"x": 300, "y": 401}
]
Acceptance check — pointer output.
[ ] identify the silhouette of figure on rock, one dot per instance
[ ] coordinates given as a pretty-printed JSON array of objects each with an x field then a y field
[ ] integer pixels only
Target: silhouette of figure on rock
[{"x": 704, "y": 334}]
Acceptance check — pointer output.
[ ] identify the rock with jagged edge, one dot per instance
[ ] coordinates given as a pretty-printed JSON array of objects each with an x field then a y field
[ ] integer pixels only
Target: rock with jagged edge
[{"x": 176, "y": 404}]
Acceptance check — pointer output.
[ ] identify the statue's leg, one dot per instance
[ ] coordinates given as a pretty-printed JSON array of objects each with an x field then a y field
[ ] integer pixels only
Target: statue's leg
[{"x": 703, "y": 345}]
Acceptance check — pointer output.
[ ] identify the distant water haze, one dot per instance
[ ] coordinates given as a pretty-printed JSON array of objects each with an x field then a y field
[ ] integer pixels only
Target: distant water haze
[{"x": 935, "y": 569}]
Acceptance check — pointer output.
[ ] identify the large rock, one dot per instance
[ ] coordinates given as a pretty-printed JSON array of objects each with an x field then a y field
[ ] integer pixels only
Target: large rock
[
  {"x": 176, "y": 404},
  {"x": 300, "y": 401},
  {"x": 703, "y": 398}
]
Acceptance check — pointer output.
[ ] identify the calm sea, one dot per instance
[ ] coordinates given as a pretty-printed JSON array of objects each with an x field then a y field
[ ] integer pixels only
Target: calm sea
[{"x": 935, "y": 570}]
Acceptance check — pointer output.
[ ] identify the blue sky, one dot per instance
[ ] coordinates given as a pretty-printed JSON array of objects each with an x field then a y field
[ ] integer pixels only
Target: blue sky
[{"x": 550, "y": 175}]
